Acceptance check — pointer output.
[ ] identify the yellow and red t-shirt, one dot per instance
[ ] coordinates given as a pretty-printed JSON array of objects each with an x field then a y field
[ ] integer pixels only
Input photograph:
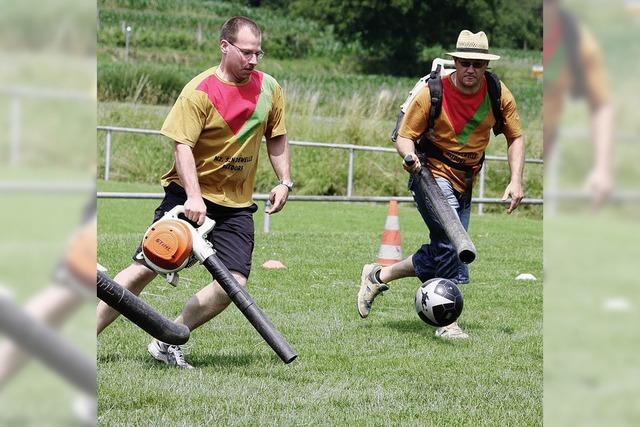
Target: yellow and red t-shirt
[
  {"x": 462, "y": 130},
  {"x": 224, "y": 123}
]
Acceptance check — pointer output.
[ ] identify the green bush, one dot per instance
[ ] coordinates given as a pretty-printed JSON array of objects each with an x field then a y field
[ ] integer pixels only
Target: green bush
[{"x": 142, "y": 83}]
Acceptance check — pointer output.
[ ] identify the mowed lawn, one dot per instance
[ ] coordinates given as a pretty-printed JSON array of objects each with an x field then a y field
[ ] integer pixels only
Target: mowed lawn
[{"x": 388, "y": 369}]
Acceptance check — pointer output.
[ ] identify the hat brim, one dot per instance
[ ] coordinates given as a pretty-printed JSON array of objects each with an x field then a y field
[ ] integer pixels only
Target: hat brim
[{"x": 474, "y": 55}]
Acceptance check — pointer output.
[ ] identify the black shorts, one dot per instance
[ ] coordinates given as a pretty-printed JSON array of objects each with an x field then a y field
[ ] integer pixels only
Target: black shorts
[{"x": 232, "y": 236}]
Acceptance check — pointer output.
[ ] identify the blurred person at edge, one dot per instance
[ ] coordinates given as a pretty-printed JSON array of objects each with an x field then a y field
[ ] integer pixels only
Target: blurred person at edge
[
  {"x": 573, "y": 65},
  {"x": 73, "y": 284},
  {"x": 217, "y": 125}
]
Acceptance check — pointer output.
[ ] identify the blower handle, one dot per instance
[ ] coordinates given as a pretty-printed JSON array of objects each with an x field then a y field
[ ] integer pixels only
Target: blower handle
[{"x": 202, "y": 230}]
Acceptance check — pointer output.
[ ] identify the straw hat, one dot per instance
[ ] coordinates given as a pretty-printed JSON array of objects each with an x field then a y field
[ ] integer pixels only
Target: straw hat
[{"x": 473, "y": 46}]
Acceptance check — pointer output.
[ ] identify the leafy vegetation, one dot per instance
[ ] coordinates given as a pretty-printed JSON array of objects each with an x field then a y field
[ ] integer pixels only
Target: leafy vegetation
[{"x": 403, "y": 37}]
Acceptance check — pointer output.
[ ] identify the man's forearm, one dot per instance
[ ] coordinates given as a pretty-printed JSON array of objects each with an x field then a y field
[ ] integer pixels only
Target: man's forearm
[
  {"x": 601, "y": 131},
  {"x": 186, "y": 167},
  {"x": 515, "y": 156},
  {"x": 278, "y": 150},
  {"x": 404, "y": 146}
]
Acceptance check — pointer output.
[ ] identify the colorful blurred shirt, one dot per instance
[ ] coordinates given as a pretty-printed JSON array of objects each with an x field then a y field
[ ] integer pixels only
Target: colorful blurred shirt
[
  {"x": 224, "y": 123},
  {"x": 559, "y": 80},
  {"x": 462, "y": 130}
]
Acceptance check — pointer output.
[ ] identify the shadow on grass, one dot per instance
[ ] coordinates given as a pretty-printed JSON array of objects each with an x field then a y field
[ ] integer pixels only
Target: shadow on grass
[
  {"x": 208, "y": 361},
  {"x": 419, "y": 328},
  {"x": 200, "y": 360},
  {"x": 225, "y": 360},
  {"x": 111, "y": 357},
  {"x": 409, "y": 326}
]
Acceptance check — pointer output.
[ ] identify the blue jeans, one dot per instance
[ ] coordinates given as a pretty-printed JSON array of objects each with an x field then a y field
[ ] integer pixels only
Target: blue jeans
[{"x": 438, "y": 258}]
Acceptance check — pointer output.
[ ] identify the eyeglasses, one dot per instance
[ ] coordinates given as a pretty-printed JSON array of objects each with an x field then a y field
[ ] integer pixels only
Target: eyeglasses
[
  {"x": 248, "y": 54},
  {"x": 476, "y": 64}
]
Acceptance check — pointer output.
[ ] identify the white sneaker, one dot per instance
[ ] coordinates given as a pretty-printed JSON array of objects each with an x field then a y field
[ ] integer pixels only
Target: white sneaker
[
  {"x": 169, "y": 354},
  {"x": 177, "y": 356},
  {"x": 452, "y": 331},
  {"x": 369, "y": 289}
]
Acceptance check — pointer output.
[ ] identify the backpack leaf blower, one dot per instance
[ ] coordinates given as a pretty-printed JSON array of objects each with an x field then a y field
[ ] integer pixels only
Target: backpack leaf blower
[{"x": 171, "y": 244}]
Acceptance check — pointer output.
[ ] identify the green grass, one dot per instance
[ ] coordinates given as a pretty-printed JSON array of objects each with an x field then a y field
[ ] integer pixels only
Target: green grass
[
  {"x": 387, "y": 369},
  {"x": 590, "y": 349}
]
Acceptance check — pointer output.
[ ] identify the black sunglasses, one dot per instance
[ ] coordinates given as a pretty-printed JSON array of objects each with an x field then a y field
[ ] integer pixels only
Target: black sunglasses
[{"x": 476, "y": 64}]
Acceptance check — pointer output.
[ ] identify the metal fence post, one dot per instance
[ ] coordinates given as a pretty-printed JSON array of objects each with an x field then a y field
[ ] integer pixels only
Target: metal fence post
[
  {"x": 107, "y": 155},
  {"x": 350, "y": 173},
  {"x": 550, "y": 183},
  {"x": 267, "y": 217},
  {"x": 127, "y": 37},
  {"x": 14, "y": 129},
  {"x": 199, "y": 37},
  {"x": 481, "y": 189}
]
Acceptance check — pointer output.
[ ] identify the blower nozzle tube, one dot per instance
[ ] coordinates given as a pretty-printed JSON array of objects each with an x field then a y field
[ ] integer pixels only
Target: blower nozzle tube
[
  {"x": 139, "y": 312},
  {"x": 450, "y": 222},
  {"x": 249, "y": 308}
]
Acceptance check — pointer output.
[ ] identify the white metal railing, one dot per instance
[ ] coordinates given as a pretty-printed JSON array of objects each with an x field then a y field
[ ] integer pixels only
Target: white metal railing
[
  {"x": 481, "y": 200},
  {"x": 308, "y": 198},
  {"x": 16, "y": 95},
  {"x": 301, "y": 197}
]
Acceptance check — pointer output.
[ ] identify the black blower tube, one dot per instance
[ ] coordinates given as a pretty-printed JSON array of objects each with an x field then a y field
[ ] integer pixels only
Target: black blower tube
[
  {"x": 446, "y": 216},
  {"x": 43, "y": 343},
  {"x": 249, "y": 308},
  {"x": 140, "y": 313}
]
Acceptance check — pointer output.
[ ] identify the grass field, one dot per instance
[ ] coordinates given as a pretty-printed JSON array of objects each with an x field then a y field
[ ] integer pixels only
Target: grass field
[
  {"x": 590, "y": 306},
  {"x": 387, "y": 369}
]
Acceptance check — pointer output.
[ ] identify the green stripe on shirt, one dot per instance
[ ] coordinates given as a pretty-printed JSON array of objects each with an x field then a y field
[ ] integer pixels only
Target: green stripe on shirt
[
  {"x": 474, "y": 122},
  {"x": 260, "y": 113}
]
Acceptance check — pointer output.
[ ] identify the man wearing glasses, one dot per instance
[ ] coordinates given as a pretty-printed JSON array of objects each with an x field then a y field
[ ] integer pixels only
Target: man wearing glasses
[
  {"x": 217, "y": 125},
  {"x": 454, "y": 152}
]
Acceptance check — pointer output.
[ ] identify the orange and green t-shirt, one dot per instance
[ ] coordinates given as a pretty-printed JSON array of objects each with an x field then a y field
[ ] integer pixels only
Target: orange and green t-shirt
[
  {"x": 224, "y": 124},
  {"x": 462, "y": 130}
]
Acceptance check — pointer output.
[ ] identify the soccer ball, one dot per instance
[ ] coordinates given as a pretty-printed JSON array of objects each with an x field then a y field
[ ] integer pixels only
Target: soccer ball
[{"x": 438, "y": 302}]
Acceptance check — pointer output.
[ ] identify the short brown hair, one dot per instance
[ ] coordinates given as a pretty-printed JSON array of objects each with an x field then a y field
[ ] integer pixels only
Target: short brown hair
[{"x": 230, "y": 29}]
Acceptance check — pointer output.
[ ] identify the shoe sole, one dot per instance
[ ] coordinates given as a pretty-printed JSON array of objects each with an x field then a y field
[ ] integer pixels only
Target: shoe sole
[
  {"x": 361, "y": 292},
  {"x": 457, "y": 336}
]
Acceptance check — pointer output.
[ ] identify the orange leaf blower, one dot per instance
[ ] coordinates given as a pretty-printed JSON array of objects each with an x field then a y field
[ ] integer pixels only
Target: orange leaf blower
[{"x": 171, "y": 244}]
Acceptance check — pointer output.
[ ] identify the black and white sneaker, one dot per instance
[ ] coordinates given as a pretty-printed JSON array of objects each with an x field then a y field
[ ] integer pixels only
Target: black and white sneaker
[{"x": 169, "y": 354}]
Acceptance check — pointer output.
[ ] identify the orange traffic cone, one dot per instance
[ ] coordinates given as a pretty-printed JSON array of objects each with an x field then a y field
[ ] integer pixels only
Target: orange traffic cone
[{"x": 390, "y": 249}]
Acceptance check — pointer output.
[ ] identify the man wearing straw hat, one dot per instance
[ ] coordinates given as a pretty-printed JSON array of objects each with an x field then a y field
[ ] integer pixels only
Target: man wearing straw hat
[{"x": 452, "y": 147}]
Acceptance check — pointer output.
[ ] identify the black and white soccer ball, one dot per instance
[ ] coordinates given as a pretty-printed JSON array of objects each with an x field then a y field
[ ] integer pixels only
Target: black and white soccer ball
[{"x": 439, "y": 302}]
